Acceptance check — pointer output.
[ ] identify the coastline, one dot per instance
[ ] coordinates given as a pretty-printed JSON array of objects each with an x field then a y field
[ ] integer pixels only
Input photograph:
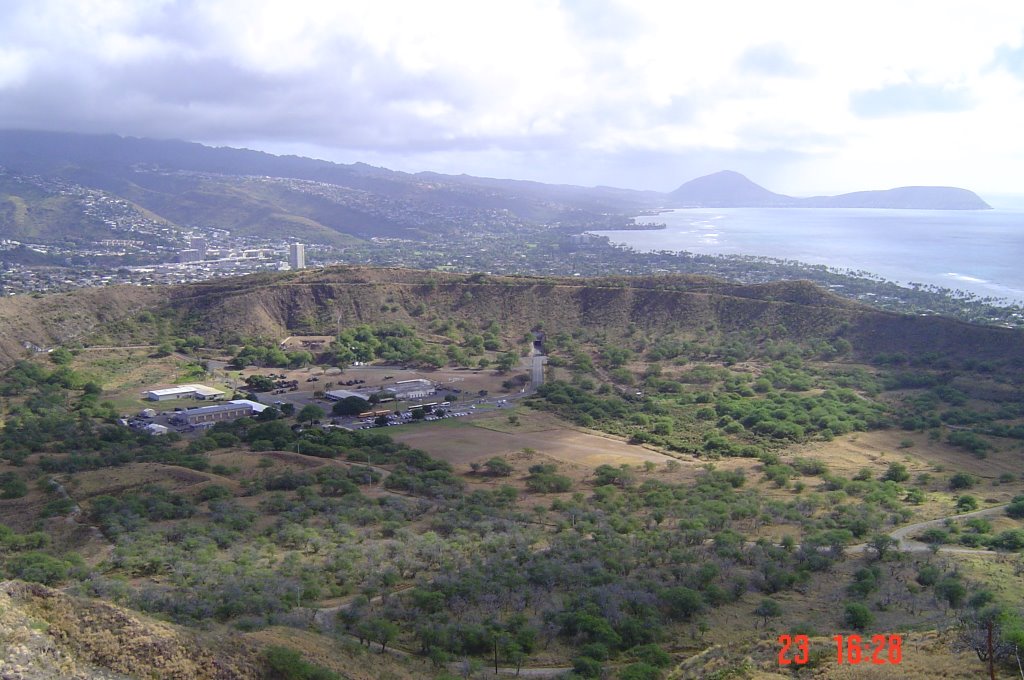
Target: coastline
[{"x": 935, "y": 249}]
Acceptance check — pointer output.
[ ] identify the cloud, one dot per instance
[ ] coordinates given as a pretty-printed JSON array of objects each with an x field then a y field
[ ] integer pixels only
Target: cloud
[
  {"x": 770, "y": 60},
  {"x": 909, "y": 98},
  {"x": 1010, "y": 59},
  {"x": 509, "y": 85}
]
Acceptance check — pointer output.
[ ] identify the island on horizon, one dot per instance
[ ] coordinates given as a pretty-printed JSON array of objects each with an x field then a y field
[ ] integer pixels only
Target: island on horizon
[{"x": 729, "y": 189}]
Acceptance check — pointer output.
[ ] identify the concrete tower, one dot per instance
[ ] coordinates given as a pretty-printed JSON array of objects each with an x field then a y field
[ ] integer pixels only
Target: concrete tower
[{"x": 297, "y": 256}]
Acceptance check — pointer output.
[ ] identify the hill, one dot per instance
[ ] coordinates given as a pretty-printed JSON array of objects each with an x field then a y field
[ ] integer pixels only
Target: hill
[
  {"x": 57, "y": 187},
  {"x": 729, "y": 189},
  {"x": 726, "y": 189},
  {"x": 721, "y": 454},
  {"x": 78, "y": 639},
  {"x": 274, "y": 306},
  {"x": 260, "y": 194}
]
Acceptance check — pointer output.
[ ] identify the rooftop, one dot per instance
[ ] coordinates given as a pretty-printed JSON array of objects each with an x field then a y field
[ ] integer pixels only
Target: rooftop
[{"x": 185, "y": 389}]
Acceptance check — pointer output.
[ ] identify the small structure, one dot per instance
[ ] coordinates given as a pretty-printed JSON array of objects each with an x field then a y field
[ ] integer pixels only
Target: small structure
[
  {"x": 190, "y": 391},
  {"x": 147, "y": 413},
  {"x": 155, "y": 429},
  {"x": 207, "y": 416}
]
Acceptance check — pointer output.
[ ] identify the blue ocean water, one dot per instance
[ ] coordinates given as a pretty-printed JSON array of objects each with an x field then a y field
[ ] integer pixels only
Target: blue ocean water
[{"x": 978, "y": 251}]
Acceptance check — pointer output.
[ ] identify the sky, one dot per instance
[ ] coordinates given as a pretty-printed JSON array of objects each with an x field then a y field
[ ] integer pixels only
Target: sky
[{"x": 802, "y": 97}]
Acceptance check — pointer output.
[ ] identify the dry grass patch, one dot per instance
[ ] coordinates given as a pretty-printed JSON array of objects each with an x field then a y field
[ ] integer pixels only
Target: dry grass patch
[
  {"x": 117, "y": 480},
  {"x": 460, "y": 443}
]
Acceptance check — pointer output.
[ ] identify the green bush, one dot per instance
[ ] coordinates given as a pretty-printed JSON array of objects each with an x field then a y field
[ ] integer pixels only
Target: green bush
[
  {"x": 37, "y": 567},
  {"x": 857, "y": 616},
  {"x": 962, "y": 480},
  {"x": 288, "y": 664}
]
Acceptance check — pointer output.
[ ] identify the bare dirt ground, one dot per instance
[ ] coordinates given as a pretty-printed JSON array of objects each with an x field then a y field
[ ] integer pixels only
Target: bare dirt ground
[{"x": 478, "y": 438}]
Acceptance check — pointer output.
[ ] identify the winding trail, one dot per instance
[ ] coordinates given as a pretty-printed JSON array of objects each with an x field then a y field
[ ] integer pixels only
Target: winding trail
[{"x": 906, "y": 544}]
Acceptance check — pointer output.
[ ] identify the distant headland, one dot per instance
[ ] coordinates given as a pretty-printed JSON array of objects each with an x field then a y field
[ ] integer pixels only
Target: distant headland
[{"x": 728, "y": 189}]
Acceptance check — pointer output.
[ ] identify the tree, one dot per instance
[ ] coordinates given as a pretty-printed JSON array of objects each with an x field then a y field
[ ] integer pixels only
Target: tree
[
  {"x": 379, "y": 630},
  {"x": 682, "y": 603},
  {"x": 349, "y": 406},
  {"x": 962, "y": 480},
  {"x": 768, "y": 609},
  {"x": 164, "y": 349},
  {"x": 966, "y": 503},
  {"x": 61, "y": 356},
  {"x": 951, "y": 590},
  {"x": 310, "y": 413},
  {"x": 1016, "y": 508},
  {"x": 499, "y": 467},
  {"x": 506, "y": 362},
  {"x": 857, "y": 616},
  {"x": 995, "y": 634},
  {"x": 269, "y": 413},
  {"x": 897, "y": 472},
  {"x": 881, "y": 544},
  {"x": 259, "y": 383}
]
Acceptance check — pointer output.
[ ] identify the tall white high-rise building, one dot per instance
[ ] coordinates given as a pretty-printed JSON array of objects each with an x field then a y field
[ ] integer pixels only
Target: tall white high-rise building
[
  {"x": 198, "y": 243},
  {"x": 297, "y": 256}
]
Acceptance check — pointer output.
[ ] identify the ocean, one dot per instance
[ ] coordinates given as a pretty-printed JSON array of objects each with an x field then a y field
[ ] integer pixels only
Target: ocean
[{"x": 977, "y": 251}]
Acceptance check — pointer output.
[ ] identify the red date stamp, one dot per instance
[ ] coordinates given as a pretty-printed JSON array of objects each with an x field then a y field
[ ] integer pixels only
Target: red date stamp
[{"x": 850, "y": 649}]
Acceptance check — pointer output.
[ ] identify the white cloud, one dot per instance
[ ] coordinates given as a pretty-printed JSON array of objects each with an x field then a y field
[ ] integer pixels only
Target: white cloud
[{"x": 507, "y": 87}]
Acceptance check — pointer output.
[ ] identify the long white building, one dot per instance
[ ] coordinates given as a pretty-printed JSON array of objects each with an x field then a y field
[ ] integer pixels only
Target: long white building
[{"x": 189, "y": 391}]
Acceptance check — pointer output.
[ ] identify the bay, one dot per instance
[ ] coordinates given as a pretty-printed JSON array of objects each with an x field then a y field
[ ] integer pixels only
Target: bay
[{"x": 976, "y": 251}]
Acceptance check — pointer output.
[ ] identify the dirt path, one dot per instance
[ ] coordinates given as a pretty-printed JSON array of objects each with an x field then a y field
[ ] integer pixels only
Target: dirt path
[{"x": 906, "y": 544}]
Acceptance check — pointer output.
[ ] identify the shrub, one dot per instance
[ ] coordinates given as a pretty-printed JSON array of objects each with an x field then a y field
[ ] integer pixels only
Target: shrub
[
  {"x": 857, "y": 616},
  {"x": 37, "y": 567},
  {"x": 962, "y": 480},
  {"x": 928, "y": 575},
  {"x": 1016, "y": 508},
  {"x": 897, "y": 472},
  {"x": 288, "y": 664}
]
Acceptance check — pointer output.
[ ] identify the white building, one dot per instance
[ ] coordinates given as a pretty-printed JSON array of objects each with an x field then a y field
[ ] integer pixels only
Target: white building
[
  {"x": 256, "y": 406},
  {"x": 412, "y": 389},
  {"x": 297, "y": 256},
  {"x": 338, "y": 395},
  {"x": 185, "y": 392}
]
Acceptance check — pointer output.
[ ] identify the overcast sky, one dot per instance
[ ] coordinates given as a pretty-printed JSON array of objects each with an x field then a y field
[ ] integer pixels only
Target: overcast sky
[{"x": 803, "y": 97}]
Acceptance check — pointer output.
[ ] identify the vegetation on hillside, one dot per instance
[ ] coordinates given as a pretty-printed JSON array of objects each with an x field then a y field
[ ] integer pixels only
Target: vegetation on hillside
[{"x": 510, "y": 564}]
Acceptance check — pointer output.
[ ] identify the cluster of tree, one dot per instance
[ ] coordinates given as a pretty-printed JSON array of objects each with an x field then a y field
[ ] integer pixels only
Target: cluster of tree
[{"x": 271, "y": 355}]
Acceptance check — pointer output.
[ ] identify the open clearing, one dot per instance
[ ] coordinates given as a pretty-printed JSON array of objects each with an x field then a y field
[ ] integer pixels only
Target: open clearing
[{"x": 478, "y": 438}]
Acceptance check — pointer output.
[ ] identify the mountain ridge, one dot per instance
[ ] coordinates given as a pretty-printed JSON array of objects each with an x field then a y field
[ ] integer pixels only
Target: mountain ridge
[
  {"x": 317, "y": 301},
  {"x": 191, "y": 183}
]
